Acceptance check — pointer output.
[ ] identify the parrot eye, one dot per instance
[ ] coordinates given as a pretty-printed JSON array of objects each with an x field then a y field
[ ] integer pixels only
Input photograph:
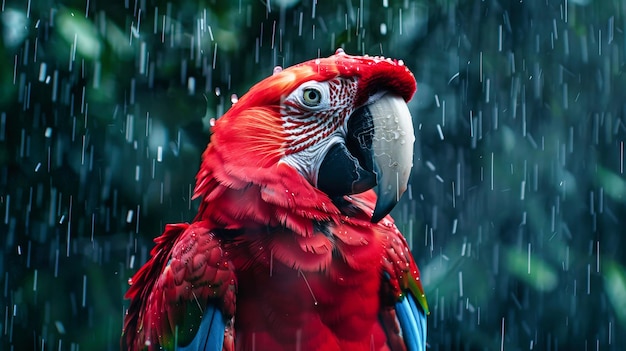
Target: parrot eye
[{"x": 311, "y": 97}]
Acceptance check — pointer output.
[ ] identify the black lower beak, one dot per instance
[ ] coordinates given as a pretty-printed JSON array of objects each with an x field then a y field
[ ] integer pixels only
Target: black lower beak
[{"x": 341, "y": 173}]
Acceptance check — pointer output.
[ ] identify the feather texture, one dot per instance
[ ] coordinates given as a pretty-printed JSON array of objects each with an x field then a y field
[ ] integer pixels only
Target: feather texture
[{"x": 188, "y": 270}]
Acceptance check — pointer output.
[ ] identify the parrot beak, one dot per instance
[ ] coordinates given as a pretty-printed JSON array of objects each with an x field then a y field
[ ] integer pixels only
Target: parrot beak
[
  {"x": 378, "y": 151},
  {"x": 392, "y": 148}
]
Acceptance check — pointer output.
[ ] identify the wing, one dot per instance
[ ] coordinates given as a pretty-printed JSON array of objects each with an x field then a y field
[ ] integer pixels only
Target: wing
[
  {"x": 412, "y": 320},
  {"x": 183, "y": 298},
  {"x": 403, "y": 303}
]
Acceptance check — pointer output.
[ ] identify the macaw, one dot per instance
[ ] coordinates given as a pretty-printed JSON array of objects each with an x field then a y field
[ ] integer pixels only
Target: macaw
[{"x": 292, "y": 247}]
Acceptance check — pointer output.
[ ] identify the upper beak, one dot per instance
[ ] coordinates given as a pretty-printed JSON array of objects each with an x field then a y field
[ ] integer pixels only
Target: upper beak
[
  {"x": 378, "y": 151},
  {"x": 392, "y": 148}
]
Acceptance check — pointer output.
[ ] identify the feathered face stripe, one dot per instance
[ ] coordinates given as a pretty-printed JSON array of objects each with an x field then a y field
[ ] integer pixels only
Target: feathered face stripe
[{"x": 307, "y": 125}]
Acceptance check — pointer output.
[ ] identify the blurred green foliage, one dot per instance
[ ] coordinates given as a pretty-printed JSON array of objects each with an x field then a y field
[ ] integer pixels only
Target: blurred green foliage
[{"x": 516, "y": 207}]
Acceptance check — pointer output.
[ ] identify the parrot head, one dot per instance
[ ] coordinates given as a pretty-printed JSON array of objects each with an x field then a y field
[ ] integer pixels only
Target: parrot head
[{"x": 341, "y": 122}]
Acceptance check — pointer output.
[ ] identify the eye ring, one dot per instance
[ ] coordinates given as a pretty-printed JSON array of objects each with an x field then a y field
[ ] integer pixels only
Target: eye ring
[{"x": 311, "y": 97}]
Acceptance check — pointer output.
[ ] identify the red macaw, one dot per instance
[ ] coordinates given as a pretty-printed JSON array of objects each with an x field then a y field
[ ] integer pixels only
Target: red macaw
[{"x": 291, "y": 248}]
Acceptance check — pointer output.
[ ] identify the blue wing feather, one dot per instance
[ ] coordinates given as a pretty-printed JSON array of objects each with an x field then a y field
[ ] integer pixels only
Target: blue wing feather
[
  {"x": 210, "y": 335},
  {"x": 412, "y": 322}
]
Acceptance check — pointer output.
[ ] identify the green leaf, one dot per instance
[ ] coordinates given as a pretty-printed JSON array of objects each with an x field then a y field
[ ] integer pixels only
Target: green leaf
[
  {"x": 613, "y": 185},
  {"x": 531, "y": 269},
  {"x": 615, "y": 285},
  {"x": 79, "y": 31}
]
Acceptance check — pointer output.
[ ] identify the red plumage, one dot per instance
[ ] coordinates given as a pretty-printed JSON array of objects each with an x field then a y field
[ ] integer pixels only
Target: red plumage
[{"x": 287, "y": 266}]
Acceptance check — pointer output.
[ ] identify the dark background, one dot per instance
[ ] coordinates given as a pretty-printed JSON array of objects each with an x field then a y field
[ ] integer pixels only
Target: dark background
[{"x": 516, "y": 208}]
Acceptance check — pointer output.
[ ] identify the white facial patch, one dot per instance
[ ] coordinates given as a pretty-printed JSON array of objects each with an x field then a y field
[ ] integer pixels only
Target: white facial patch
[{"x": 314, "y": 119}]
